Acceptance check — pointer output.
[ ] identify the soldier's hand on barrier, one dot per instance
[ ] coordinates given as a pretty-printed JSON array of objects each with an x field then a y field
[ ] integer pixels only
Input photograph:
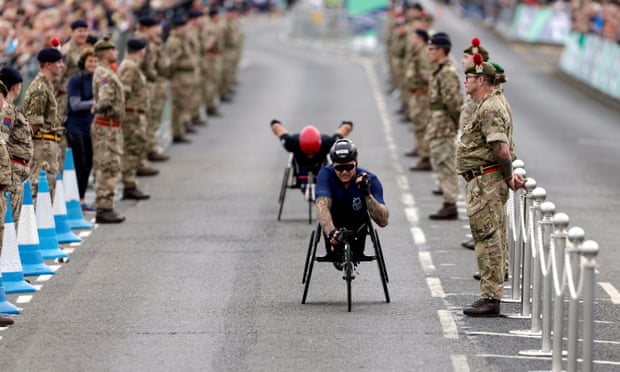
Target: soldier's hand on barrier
[
  {"x": 516, "y": 182},
  {"x": 274, "y": 121},
  {"x": 363, "y": 182}
]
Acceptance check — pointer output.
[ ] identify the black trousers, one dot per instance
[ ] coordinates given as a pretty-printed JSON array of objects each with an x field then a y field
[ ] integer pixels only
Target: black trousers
[{"x": 82, "y": 148}]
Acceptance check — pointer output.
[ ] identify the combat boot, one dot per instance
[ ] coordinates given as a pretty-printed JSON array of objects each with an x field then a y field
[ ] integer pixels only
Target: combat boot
[
  {"x": 108, "y": 216},
  {"x": 423, "y": 165},
  {"x": 134, "y": 194},
  {"x": 484, "y": 307},
  {"x": 413, "y": 153},
  {"x": 213, "y": 112},
  {"x": 180, "y": 139},
  {"x": 147, "y": 172},
  {"x": 438, "y": 191},
  {"x": 155, "y": 156},
  {"x": 447, "y": 212},
  {"x": 477, "y": 276},
  {"x": 468, "y": 244}
]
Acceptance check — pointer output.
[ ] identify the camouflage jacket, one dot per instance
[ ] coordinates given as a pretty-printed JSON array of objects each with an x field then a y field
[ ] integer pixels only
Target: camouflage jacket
[
  {"x": 467, "y": 111},
  {"x": 108, "y": 93},
  {"x": 6, "y": 176},
  {"x": 418, "y": 70},
  {"x": 71, "y": 53},
  {"x": 19, "y": 139},
  {"x": 134, "y": 85},
  {"x": 181, "y": 60},
  {"x": 40, "y": 106},
  {"x": 491, "y": 123},
  {"x": 446, "y": 100},
  {"x": 155, "y": 65}
]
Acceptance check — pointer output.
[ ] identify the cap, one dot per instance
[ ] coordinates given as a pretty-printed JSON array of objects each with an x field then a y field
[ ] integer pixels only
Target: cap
[
  {"x": 193, "y": 13},
  {"x": 49, "y": 55},
  {"x": 213, "y": 11},
  {"x": 148, "y": 21},
  {"x": 10, "y": 76},
  {"x": 500, "y": 76},
  {"x": 480, "y": 67},
  {"x": 91, "y": 39},
  {"x": 422, "y": 33},
  {"x": 440, "y": 39},
  {"x": 136, "y": 44},
  {"x": 79, "y": 23},
  {"x": 476, "y": 48},
  {"x": 499, "y": 69},
  {"x": 310, "y": 140},
  {"x": 104, "y": 44},
  {"x": 178, "y": 22}
]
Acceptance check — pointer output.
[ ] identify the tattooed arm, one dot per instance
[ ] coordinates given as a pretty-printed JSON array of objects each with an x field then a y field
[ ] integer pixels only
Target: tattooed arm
[
  {"x": 323, "y": 215},
  {"x": 377, "y": 211}
]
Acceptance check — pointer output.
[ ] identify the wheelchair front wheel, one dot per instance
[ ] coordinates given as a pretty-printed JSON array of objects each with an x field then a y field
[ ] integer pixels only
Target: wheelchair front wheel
[
  {"x": 287, "y": 173},
  {"x": 348, "y": 273}
]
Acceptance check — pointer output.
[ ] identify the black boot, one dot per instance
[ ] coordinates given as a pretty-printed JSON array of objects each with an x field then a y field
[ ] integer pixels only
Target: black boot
[
  {"x": 423, "y": 165},
  {"x": 5, "y": 321},
  {"x": 447, "y": 212},
  {"x": 147, "y": 172},
  {"x": 108, "y": 216},
  {"x": 134, "y": 194},
  {"x": 468, "y": 244},
  {"x": 484, "y": 307}
]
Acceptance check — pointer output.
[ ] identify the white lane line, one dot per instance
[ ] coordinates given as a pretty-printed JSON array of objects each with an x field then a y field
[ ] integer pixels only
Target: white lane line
[
  {"x": 499, "y": 356},
  {"x": 24, "y": 299},
  {"x": 418, "y": 236},
  {"x": 459, "y": 363},
  {"x": 407, "y": 199},
  {"x": 412, "y": 215},
  {"x": 37, "y": 287},
  {"x": 44, "y": 278},
  {"x": 402, "y": 183},
  {"x": 612, "y": 292},
  {"x": 426, "y": 261},
  {"x": 447, "y": 323},
  {"x": 84, "y": 233},
  {"x": 54, "y": 267},
  {"x": 435, "y": 286},
  {"x": 68, "y": 250}
]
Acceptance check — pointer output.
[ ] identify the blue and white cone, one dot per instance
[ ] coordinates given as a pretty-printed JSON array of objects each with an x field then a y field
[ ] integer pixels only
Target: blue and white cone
[
  {"x": 63, "y": 230},
  {"x": 10, "y": 263},
  {"x": 45, "y": 222},
  {"x": 28, "y": 238},
  {"x": 72, "y": 195}
]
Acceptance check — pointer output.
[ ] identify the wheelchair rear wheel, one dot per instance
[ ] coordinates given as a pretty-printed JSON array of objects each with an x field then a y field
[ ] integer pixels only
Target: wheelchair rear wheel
[
  {"x": 314, "y": 242},
  {"x": 380, "y": 262},
  {"x": 303, "y": 279},
  {"x": 285, "y": 180}
]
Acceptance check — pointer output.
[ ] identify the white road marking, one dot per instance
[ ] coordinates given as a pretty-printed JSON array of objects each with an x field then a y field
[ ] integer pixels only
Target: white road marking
[
  {"x": 68, "y": 250},
  {"x": 44, "y": 278},
  {"x": 450, "y": 330},
  {"x": 24, "y": 299},
  {"x": 459, "y": 363},
  {"x": 407, "y": 199},
  {"x": 426, "y": 261},
  {"x": 412, "y": 215},
  {"x": 612, "y": 292},
  {"x": 84, "y": 233},
  {"x": 435, "y": 286},
  {"x": 603, "y": 362},
  {"x": 402, "y": 183},
  {"x": 418, "y": 236}
]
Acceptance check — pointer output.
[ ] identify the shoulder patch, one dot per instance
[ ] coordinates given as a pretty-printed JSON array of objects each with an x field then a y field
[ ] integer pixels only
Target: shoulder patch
[{"x": 7, "y": 122}]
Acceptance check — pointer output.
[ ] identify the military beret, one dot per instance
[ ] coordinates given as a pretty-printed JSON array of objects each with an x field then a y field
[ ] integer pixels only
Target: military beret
[
  {"x": 49, "y": 55},
  {"x": 136, "y": 44},
  {"x": 231, "y": 8},
  {"x": 480, "y": 67},
  {"x": 148, "y": 21},
  {"x": 213, "y": 11},
  {"x": 10, "y": 76},
  {"x": 104, "y": 44},
  {"x": 3, "y": 90},
  {"x": 440, "y": 39},
  {"x": 91, "y": 39},
  {"x": 422, "y": 33},
  {"x": 476, "y": 48},
  {"x": 193, "y": 13},
  {"x": 79, "y": 23},
  {"x": 178, "y": 22},
  {"x": 499, "y": 69}
]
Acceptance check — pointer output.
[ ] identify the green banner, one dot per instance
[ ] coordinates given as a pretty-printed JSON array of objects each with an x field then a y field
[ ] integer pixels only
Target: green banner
[{"x": 358, "y": 7}]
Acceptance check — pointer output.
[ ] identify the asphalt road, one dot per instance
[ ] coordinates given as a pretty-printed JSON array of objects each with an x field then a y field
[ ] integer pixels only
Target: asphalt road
[{"x": 203, "y": 278}]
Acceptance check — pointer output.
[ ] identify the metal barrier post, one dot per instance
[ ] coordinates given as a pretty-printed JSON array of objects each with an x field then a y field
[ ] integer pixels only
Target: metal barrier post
[
  {"x": 576, "y": 236},
  {"x": 515, "y": 242},
  {"x": 589, "y": 251},
  {"x": 540, "y": 239},
  {"x": 557, "y": 254}
]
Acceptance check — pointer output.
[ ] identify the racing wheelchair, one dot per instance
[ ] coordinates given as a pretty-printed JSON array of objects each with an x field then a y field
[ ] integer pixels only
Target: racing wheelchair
[
  {"x": 294, "y": 178},
  {"x": 346, "y": 258}
]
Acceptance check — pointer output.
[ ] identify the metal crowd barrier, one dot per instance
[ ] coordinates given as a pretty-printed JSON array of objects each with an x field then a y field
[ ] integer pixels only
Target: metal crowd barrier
[{"x": 550, "y": 264}]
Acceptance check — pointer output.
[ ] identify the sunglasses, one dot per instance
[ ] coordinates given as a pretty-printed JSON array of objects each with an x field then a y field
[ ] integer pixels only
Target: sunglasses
[{"x": 344, "y": 167}]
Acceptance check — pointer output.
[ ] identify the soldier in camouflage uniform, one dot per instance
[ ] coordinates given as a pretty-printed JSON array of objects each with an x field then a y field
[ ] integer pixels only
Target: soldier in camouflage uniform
[
  {"x": 18, "y": 138},
  {"x": 183, "y": 77},
  {"x": 233, "y": 41},
  {"x": 398, "y": 50},
  {"x": 195, "y": 23},
  {"x": 214, "y": 43},
  {"x": 135, "y": 122},
  {"x": 41, "y": 111},
  {"x": 71, "y": 53},
  {"x": 484, "y": 160},
  {"x": 6, "y": 178},
  {"x": 445, "y": 104},
  {"x": 156, "y": 68},
  {"x": 416, "y": 82},
  {"x": 106, "y": 134}
]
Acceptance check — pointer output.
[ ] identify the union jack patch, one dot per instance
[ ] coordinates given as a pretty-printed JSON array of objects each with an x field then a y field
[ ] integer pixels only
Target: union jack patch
[
  {"x": 104, "y": 82},
  {"x": 7, "y": 122}
]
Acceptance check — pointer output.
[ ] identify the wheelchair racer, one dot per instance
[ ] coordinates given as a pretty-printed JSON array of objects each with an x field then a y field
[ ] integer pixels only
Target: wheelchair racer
[
  {"x": 309, "y": 147},
  {"x": 346, "y": 195}
]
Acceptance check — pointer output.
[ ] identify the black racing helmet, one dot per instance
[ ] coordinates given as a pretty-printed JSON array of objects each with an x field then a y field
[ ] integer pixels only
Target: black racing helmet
[{"x": 343, "y": 151}]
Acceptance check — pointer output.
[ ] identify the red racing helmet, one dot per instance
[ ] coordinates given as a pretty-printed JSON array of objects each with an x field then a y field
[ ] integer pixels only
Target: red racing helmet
[{"x": 310, "y": 140}]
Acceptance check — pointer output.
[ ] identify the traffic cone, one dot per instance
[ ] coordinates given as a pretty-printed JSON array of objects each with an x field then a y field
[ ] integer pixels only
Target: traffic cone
[
  {"x": 10, "y": 263},
  {"x": 63, "y": 230},
  {"x": 72, "y": 196},
  {"x": 45, "y": 222},
  {"x": 28, "y": 238},
  {"x": 5, "y": 306}
]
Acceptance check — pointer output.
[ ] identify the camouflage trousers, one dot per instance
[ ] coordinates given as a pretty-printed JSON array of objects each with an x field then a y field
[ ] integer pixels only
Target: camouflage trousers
[
  {"x": 228, "y": 73},
  {"x": 3, "y": 208},
  {"x": 214, "y": 75},
  {"x": 420, "y": 116},
  {"x": 159, "y": 96},
  {"x": 45, "y": 157},
  {"x": 107, "y": 159},
  {"x": 443, "y": 158},
  {"x": 486, "y": 196},
  {"x": 134, "y": 146},
  {"x": 20, "y": 174},
  {"x": 181, "y": 107}
]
